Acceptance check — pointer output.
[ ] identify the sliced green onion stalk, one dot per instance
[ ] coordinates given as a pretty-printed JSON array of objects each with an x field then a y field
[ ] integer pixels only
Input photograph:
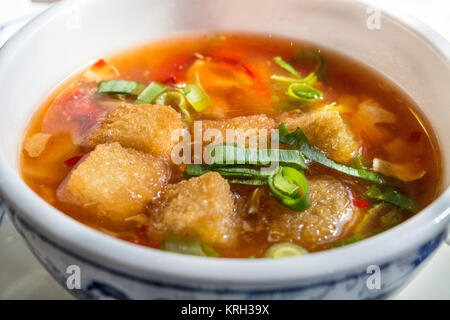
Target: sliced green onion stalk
[
  {"x": 304, "y": 92},
  {"x": 357, "y": 162},
  {"x": 320, "y": 68},
  {"x": 393, "y": 196},
  {"x": 279, "y": 78},
  {"x": 284, "y": 250},
  {"x": 192, "y": 246},
  {"x": 290, "y": 187},
  {"x": 226, "y": 154},
  {"x": 299, "y": 140},
  {"x": 357, "y": 238},
  {"x": 133, "y": 88},
  {"x": 242, "y": 175},
  {"x": 176, "y": 100},
  {"x": 149, "y": 94},
  {"x": 348, "y": 241},
  {"x": 197, "y": 96},
  {"x": 286, "y": 66},
  {"x": 303, "y": 55}
]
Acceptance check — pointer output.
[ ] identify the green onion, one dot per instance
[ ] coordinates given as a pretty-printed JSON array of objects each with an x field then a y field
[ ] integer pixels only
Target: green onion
[
  {"x": 357, "y": 238},
  {"x": 243, "y": 175},
  {"x": 301, "y": 88},
  {"x": 234, "y": 154},
  {"x": 290, "y": 187},
  {"x": 192, "y": 246},
  {"x": 279, "y": 78},
  {"x": 286, "y": 66},
  {"x": 176, "y": 100},
  {"x": 299, "y": 140},
  {"x": 320, "y": 68},
  {"x": 149, "y": 94},
  {"x": 357, "y": 162},
  {"x": 393, "y": 196},
  {"x": 197, "y": 96},
  {"x": 304, "y": 92},
  {"x": 348, "y": 241},
  {"x": 284, "y": 250},
  {"x": 133, "y": 88}
]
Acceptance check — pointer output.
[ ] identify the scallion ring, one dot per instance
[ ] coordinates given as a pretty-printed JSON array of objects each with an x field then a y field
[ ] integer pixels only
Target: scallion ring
[
  {"x": 176, "y": 100},
  {"x": 304, "y": 92},
  {"x": 290, "y": 187},
  {"x": 284, "y": 250}
]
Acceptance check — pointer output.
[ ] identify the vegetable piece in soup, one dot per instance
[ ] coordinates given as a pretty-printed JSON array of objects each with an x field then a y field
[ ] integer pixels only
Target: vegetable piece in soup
[
  {"x": 201, "y": 207},
  {"x": 113, "y": 182},
  {"x": 148, "y": 128}
]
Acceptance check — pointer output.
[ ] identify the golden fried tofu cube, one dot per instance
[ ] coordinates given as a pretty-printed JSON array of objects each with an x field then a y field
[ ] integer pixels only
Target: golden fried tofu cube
[
  {"x": 202, "y": 207},
  {"x": 240, "y": 130},
  {"x": 327, "y": 131},
  {"x": 331, "y": 212},
  {"x": 148, "y": 128},
  {"x": 114, "y": 182}
]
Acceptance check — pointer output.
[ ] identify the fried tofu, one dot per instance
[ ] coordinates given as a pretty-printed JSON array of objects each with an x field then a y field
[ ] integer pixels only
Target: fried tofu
[
  {"x": 327, "y": 131},
  {"x": 201, "y": 207},
  {"x": 154, "y": 129},
  {"x": 114, "y": 182},
  {"x": 241, "y": 129},
  {"x": 325, "y": 221}
]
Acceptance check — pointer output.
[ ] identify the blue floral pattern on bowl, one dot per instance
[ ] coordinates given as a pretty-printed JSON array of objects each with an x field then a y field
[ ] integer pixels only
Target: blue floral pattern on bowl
[{"x": 99, "y": 281}]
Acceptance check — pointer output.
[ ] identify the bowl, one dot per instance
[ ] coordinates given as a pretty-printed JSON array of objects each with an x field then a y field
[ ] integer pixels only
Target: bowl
[{"x": 74, "y": 33}]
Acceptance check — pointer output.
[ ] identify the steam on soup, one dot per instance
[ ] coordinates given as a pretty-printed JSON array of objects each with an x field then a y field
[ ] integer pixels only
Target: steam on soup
[{"x": 232, "y": 146}]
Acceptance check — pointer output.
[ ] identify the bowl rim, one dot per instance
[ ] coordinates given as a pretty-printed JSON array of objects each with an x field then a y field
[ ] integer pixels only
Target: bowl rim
[{"x": 142, "y": 261}]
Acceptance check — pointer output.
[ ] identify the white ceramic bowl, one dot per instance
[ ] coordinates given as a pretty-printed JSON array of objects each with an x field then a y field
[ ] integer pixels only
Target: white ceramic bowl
[{"x": 74, "y": 33}]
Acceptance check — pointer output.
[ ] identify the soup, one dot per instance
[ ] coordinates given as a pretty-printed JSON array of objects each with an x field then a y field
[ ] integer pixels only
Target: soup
[{"x": 232, "y": 145}]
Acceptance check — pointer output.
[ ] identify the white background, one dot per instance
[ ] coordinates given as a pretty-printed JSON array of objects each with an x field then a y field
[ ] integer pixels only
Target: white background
[{"x": 21, "y": 276}]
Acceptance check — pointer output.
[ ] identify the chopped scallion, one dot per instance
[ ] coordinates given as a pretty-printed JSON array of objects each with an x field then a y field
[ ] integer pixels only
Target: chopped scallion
[
  {"x": 299, "y": 140},
  {"x": 150, "y": 93},
  {"x": 197, "y": 96},
  {"x": 304, "y": 92},
  {"x": 393, "y": 196},
  {"x": 192, "y": 246},
  {"x": 290, "y": 187},
  {"x": 176, "y": 100},
  {"x": 133, "y": 88},
  {"x": 286, "y": 66},
  {"x": 284, "y": 250},
  {"x": 233, "y": 154}
]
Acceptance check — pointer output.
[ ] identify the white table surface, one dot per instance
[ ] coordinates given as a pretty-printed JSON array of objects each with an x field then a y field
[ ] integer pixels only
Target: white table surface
[{"x": 21, "y": 275}]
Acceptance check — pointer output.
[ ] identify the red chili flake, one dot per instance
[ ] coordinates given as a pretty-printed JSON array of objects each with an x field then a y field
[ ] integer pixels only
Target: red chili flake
[
  {"x": 100, "y": 63},
  {"x": 72, "y": 161},
  {"x": 359, "y": 201},
  {"x": 415, "y": 136}
]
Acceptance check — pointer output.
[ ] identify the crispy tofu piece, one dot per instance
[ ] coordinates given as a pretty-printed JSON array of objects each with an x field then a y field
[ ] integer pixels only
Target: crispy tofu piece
[
  {"x": 201, "y": 207},
  {"x": 36, "y": 144},
  {"x": 327, "y": 131},
  {"x": 325, "y": 221},
  {"x": 148, "y": 128},
  {"x": 241, "y": 129},
  {"x": 114, "y": 182}
]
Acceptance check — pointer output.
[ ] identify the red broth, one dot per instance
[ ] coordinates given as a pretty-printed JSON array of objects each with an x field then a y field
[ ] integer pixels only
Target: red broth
[{"x": 239, "y": 84}]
